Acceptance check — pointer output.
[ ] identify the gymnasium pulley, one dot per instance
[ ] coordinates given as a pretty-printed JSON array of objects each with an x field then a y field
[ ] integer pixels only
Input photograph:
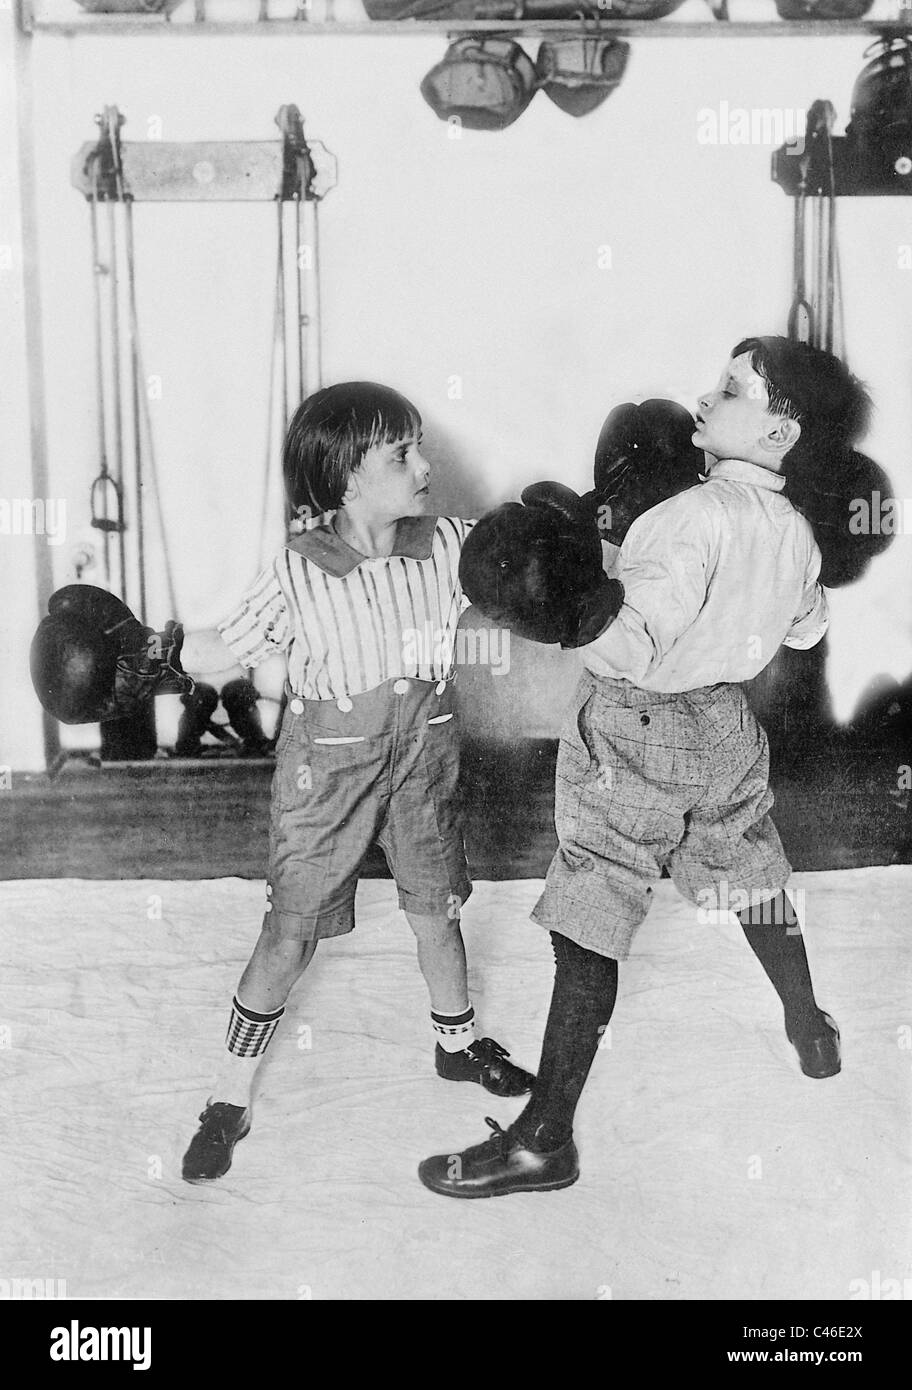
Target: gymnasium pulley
[
  {"x": 872, "y": 160},
  {"x": 815, "y": 315},
  {"x": 112, "y": 171}
]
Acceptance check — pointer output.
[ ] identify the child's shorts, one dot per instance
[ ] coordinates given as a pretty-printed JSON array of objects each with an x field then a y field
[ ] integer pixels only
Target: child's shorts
[
  {"x": 647, "y": 781},
  {"x": 383, "y": 770}
]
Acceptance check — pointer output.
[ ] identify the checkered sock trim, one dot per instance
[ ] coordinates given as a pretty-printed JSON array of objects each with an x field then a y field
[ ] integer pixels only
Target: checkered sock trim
[
  {"x": 454, "y": 1031},
  {"x": 249, "y": 1033}
]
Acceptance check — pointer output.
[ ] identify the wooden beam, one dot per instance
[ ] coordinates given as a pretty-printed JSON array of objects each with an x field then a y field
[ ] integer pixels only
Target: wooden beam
[
  {"x": 158, "y": 171},
  {"x": 18, "y": 52}
]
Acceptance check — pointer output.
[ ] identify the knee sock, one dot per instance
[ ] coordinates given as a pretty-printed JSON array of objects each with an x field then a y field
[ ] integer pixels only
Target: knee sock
[
  {"x": 585, "y": 988},
  {"x": 774, "y": 935},
  {"x": 249, "y": 1035},
  {"x": 454, "y": 1032}
]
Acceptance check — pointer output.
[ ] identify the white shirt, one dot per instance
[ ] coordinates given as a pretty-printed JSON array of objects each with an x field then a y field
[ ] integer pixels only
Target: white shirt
[
  {"x": 349, "y": 622},
  {"x": 715, "y": 580}
]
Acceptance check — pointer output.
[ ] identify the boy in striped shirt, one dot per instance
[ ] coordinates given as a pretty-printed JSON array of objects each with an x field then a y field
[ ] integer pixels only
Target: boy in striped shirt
[{"x": 367, "y": 750}]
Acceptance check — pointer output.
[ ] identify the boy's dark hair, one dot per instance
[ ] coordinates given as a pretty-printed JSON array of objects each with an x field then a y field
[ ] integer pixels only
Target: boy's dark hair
[
  {"x": 329, "y": 434},
  {"x": 815, "y": 388},
  {"x": 825, "y": 477}
]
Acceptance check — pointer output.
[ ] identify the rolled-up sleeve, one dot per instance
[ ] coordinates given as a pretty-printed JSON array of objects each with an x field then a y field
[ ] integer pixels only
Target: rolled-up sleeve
[
  {"x": 813, "y": 615},
  {"x": 260, "y": 625},
  {"x": 812, "y": 620},
  {"x": 663, "y": 568}
]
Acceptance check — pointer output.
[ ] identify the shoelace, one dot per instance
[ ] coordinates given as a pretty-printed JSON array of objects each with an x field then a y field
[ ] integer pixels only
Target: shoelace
[
  {"x": 218, "y": 1123},
  {"x": 486, "y": 1050},
  {"x": 500, "y": 1138}
]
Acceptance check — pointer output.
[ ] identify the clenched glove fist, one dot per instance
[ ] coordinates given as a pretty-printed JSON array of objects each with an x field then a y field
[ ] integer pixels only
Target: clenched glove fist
[
  {"x": 643, "y": 456},
  {"x": 92, "y": 660},
  {"x": 535, "y": 567}
]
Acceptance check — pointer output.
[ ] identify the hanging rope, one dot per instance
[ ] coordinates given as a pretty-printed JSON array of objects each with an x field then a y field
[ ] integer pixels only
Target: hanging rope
[
  {"x": 143, "y": 416},
  {"x": 318, "y": 302},
  {"x": 801, "y": 315},
  {"x": 99, "y": 380},
  {"x": 301, "y": 317},
  {"x": 154, "y": 475},
  {"x": 277, "y": 322},
  {"x": 116, "y": 385},
  {"x": 141, "y": 421},
  {"x": 103, "y": 485},
  {"x": 281, "y": 312},
  {"x": 135, "y": 393},
  {"x": 835, "y": 306},
  {"x": 108, "y": 183},
  {"x": 820, "y": 319}
]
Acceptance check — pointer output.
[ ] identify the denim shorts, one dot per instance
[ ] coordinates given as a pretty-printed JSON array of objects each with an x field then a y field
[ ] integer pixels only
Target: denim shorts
[
  {"x": 384, "y": 770},
  {"x": 646, "y": 781}
]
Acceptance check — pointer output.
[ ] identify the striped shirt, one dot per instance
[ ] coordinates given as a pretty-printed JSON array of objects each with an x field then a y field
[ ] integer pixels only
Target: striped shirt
[{"x": 349, "y": 622}]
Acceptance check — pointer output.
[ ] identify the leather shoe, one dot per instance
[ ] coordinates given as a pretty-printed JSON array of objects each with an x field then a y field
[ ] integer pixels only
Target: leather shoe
[
  {"x": 484, "y": 1061},
  {"x": 818, "y": 1052},
  {"x": 499, "y": 1166},
  {"x": 209, "y": 1154}
]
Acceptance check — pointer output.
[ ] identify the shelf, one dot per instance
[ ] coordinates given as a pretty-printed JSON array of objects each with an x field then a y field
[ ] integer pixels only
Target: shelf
[
  {"x": 620, "y": 28},
  {"x": 33, "y": 21}
]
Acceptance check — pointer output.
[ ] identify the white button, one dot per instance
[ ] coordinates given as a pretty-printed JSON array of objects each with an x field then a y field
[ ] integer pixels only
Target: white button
[
  {"x": 269, "y": 907},
  {"x": 440, "y": 687},
  {"x": 297, "y": 706},
  {"x": 400, "y": 687},
  {"x": 344, "y": 704},
  {"x": 269, "y": 890}
]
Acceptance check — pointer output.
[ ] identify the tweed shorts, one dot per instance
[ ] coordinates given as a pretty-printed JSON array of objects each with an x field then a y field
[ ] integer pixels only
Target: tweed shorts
[
  {"x": 649, "y": 781},
  {"x": 384, "y": 771}
]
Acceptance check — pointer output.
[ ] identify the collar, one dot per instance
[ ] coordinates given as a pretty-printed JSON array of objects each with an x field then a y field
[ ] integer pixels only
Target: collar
[
  {"x": 330, "y": 553},
  {"x": 740, "y": 471}
]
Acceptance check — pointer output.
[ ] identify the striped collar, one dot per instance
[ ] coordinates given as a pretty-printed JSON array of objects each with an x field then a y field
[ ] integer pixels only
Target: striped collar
[
  {"x": 740, "y": 471},
  {"x": 330, "y": 553}
]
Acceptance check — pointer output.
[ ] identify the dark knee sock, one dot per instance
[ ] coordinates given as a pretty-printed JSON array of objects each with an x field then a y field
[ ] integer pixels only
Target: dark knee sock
[
  {"x": 585, "y": 988},
  {"x": 774, "y": 935}
]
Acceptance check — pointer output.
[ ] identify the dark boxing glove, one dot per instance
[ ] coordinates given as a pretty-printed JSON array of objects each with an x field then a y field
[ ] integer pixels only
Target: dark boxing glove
[
  {"x": 92, "y": 660},
  {"x": 536, "y": 568},
  {"x": 199, "y": 705},
  {"x": 843, "y": 501},
  {"x": 644, "y": 455},
  {"x": 239, "y": 698}
]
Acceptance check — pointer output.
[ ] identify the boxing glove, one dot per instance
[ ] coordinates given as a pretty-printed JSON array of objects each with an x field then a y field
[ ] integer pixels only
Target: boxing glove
[
  {"x": 535, "y": 567},
  {"x": 239, "y": 698},
  {"x": 91, "y": 659},
  {"x": 847, "y": 500},
  {"x": 196, "y": 720},
  {"x": 644, "y": 455}
]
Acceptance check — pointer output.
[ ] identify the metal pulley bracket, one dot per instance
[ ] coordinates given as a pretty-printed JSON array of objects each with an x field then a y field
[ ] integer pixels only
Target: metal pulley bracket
[
  {"x": 851, "y": 175},
  {"x": 208, "y": 171},
  {"x": 101, "y": 161},
  {"x": 309, "y": 170}
]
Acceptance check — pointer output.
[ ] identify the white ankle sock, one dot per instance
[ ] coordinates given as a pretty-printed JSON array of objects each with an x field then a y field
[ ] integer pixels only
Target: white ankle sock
[{"x": 235, "y": 1079}]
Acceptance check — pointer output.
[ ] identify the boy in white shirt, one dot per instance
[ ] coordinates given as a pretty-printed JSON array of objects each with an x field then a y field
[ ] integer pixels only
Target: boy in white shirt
[{"x": 661, "y": 761}]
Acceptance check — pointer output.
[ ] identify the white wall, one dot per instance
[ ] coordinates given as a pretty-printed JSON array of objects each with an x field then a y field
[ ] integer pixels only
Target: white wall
[{"x": 475, "y": 258}]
